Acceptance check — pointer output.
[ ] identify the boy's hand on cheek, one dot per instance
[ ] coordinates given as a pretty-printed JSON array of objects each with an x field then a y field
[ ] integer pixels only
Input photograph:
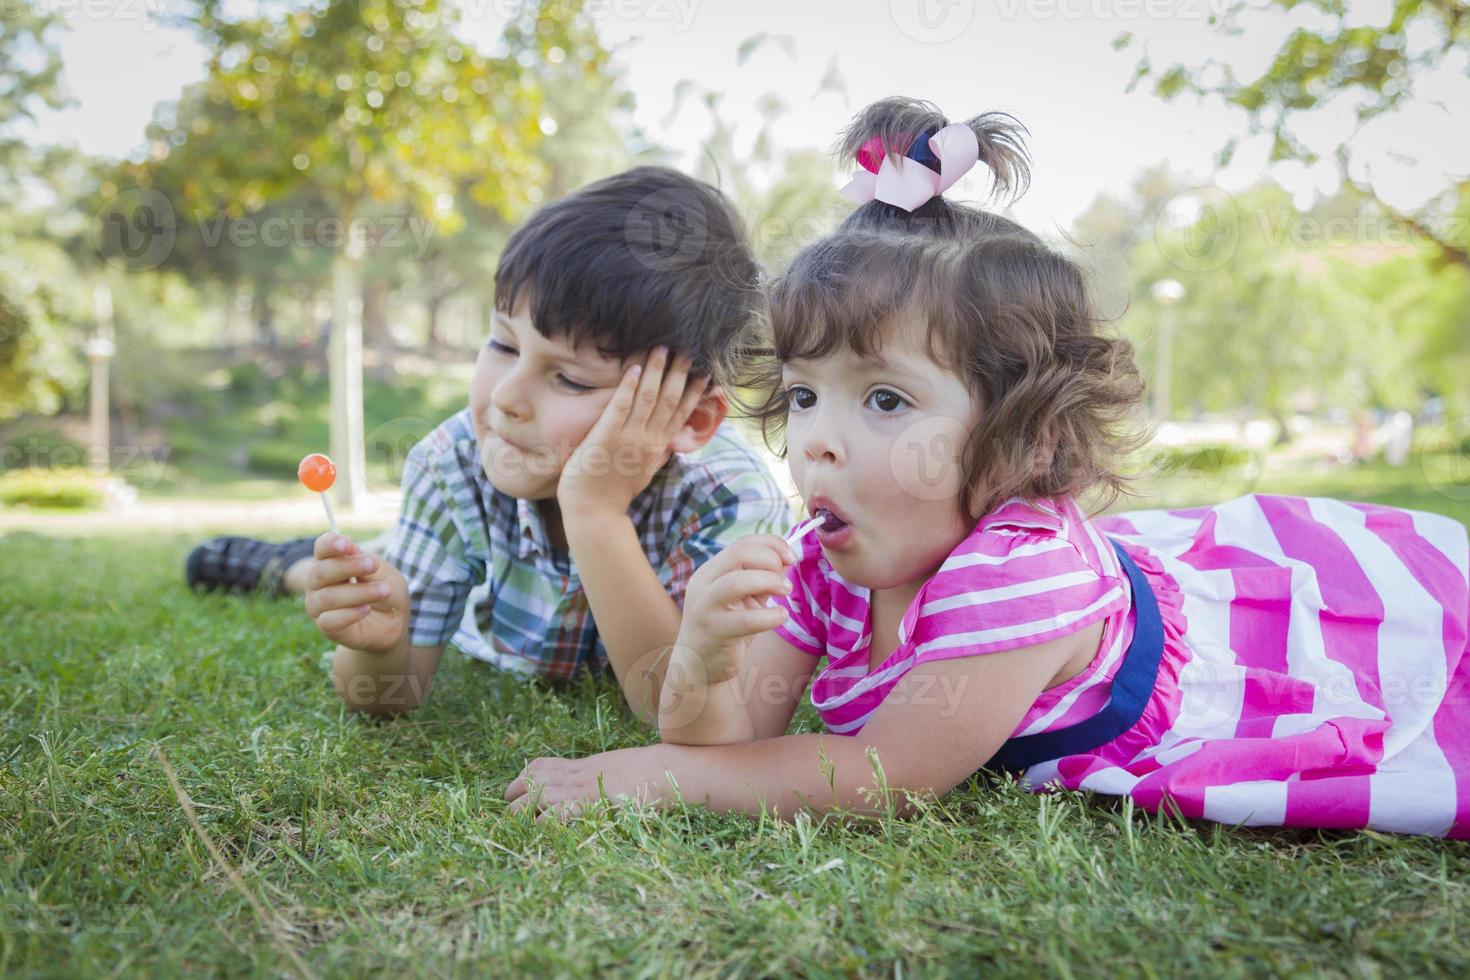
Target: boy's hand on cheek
[{"x": 630, "y": 441}]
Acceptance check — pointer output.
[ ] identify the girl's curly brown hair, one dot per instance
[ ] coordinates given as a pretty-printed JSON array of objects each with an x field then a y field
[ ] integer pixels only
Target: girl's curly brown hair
[{"x": 1011, "y": 316}]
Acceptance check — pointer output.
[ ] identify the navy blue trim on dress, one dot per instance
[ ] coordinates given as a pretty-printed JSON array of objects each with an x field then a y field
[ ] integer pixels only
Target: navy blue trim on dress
[{"x": 1132, "y": 686}]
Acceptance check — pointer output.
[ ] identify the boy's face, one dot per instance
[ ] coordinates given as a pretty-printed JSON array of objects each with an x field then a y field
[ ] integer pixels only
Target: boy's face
[
  {"x": 533, "y": 401},
  {"x": 880, "y": 438}
]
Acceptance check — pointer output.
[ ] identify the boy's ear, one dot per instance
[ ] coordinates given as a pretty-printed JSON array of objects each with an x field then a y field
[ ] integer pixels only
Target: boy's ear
[{"x": 713, "y": 406}]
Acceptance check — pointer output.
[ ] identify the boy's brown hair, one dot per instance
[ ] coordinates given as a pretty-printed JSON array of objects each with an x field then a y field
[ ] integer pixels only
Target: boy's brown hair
[{"x": 643, "y": 258}]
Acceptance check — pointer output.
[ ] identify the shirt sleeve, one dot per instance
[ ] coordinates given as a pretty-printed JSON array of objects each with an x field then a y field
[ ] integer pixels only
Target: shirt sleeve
[
  {"x": 1001, "y": 591},
  {"x": 806, "y": 626},
  {"x": 720, "y": 520},
  {"x": 428, "y": 549}
]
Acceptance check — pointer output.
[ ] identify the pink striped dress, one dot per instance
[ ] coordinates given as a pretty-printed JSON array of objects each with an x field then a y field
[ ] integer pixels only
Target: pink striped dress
[{"x": 1313, "y": 670}]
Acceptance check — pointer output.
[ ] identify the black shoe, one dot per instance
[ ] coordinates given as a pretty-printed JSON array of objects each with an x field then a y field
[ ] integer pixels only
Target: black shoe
[{"x": 244, "y": 564}]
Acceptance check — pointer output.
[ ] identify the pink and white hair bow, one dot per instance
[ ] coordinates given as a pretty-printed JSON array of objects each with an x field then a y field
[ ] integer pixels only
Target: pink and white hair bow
[{"x": 905, "y": 182}]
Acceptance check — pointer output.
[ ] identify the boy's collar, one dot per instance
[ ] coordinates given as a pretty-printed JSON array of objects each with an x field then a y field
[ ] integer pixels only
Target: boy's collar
[{"x": 531, "y": 533}]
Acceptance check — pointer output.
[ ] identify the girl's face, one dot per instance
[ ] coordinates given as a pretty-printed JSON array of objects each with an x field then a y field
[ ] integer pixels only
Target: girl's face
[{"x": 878, "y": 442}]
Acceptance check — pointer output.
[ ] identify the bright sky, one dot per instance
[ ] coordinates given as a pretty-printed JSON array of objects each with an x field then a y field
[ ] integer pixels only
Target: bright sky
[{"x": 1051, "y": 63}]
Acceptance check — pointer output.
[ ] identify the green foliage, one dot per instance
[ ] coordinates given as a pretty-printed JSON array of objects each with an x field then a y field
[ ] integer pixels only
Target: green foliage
[
  {"x": 265, "y": 419},
  {"x": 30, "y": 64},
  {"x": 1213, "y": 460},
  {"x": 68, "y": 488},
  {"x": 25, "y": 445},
  {"x": 1283, "y": 309},
  {"x": 1338, "y": 63},
  {"x": 39, "y": 362}
]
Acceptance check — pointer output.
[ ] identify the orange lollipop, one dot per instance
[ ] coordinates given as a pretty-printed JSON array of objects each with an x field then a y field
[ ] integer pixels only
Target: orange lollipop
[{"x": 316, "y": 472}]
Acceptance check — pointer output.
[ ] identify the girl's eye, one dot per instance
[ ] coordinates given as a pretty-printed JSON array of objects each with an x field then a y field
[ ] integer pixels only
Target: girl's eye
[
  {"x": 800, "y": 397},
  {"x": 499, "y": 348},
  {"x": 887, "y": 402}
]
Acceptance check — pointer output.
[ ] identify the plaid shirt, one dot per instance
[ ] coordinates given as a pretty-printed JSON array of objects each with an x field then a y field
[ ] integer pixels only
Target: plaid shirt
[{"x": 483, "y": 575}]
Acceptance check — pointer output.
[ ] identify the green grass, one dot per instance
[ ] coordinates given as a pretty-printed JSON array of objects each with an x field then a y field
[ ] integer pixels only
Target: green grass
[{"x": 384, "y": 846}]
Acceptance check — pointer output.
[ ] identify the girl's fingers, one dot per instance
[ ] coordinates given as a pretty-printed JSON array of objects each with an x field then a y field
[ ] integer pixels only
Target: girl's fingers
[
  {"x": 749, "y": 622},
  {"x": 748, "y": 583},
  {"x": 764, "y": 551}
]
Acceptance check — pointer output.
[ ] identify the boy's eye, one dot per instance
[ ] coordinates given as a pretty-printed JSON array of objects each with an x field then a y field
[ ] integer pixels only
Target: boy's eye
[
  {"x": 562, "y": 379},
  {"x": 800, "y": 397},
  {"x": 572, "y": 385},
  {"x": 886, "y": 401}
]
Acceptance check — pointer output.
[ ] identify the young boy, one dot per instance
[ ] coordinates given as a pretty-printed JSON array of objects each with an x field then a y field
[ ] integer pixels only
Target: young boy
[{"x": 553, "y": 525}]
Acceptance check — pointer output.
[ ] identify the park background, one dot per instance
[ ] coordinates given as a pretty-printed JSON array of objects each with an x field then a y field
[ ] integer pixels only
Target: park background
[{"x": 216, "y": 216}]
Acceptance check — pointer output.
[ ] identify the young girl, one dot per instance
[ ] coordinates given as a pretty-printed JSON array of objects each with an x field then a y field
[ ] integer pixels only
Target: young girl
[{"x": 946, "y": 399}]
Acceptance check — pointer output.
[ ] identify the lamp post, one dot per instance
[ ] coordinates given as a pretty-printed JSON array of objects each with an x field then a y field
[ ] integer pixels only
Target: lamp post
[
  {"x": 99, "y": 349},
  {"x": 1167, "y": 293}
]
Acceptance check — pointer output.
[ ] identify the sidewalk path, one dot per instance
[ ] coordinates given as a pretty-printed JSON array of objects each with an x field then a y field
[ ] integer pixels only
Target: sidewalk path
[{"x": 196, "y": 515}]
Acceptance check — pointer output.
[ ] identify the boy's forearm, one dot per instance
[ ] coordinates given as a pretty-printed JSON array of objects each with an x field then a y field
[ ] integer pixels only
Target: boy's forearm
[
  {"x": 384, "y": 683},
  {"x": 637, "y": 620},
  {"x": 691, "y": 711}
]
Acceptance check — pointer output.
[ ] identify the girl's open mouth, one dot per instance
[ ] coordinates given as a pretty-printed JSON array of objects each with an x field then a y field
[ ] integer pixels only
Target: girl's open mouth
[{"x": 830, "y": 521}]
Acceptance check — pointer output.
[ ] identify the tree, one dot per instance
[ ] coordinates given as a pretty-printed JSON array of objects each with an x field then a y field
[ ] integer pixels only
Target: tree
[
  {"x": 38, "y": 363},
  {"x": 30, "y": 67},
  {"x": 1372, "y": 67},
  {"x": 359, "y": 103},
  {"x": 584, "y": 120},
  {"x": 1283, "y": 310}
]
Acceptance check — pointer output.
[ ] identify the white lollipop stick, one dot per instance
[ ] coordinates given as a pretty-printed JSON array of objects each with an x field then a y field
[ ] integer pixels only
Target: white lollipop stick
[
  {"x": 806, "y": 528},
  {"x": 332, "y": 520},
  {"x": 331, "y": 517}
]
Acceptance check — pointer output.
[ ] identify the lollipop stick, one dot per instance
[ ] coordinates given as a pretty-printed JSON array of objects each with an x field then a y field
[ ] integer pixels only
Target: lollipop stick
[
  {"x": 332, "y": 520},
  {"x": 331, "y": 517},
  {"x": 806, "y": 529}
]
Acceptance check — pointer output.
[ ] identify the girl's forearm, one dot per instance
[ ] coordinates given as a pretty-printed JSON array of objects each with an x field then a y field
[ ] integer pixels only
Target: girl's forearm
[
  {"x": 692, "y": 711},
  {"x": 816, "y": 772}
]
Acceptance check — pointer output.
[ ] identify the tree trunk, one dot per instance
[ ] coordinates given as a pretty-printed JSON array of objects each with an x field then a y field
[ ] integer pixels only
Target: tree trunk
[
  {"x": 309, "y": 316},
  {"x": 431, "y": 309},
  {"x": 344, "y": 360},
  {"x": 263, "y": 315},
  {"x": 232, "y": 314},
  {"x": 375, "y": 315}
]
